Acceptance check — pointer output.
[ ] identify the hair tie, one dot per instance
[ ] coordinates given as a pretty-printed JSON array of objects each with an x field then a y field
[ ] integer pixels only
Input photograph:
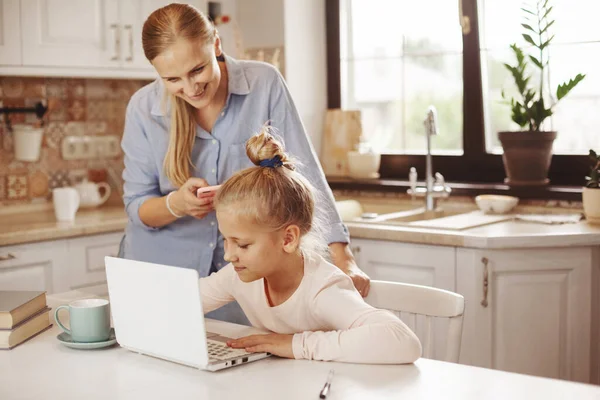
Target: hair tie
[{"x": 272, "y": 162}]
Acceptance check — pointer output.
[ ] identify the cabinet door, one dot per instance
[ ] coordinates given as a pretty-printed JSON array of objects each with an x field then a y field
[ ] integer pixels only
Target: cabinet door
[
  {"x": 36, "y": 266},
  {"x": 535, "y": 316},
  {"x": 406, "y": 262},
  {"x": 10, "y": 33},
  {"x": 70, "y": 33},
  {"x": 86, "y": 258},
  {"x": 415, "y": 264},
  {"x": 133, "y": 14}
]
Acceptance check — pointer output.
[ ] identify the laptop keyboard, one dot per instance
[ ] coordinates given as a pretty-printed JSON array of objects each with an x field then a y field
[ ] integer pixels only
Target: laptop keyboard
[{"x": 218, "y": 351}]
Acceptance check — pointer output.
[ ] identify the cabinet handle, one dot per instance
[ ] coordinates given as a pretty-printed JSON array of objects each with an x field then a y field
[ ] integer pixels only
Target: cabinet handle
[
  {"x": 485, "y": 262},
  {"x": 7, "y": 257},
  {"x": 115, "y": 29},
  {"x": 129, "y": 28}
]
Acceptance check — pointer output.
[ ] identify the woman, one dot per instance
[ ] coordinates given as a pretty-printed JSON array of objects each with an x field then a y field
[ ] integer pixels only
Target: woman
[{"x": 188, "y": 130}]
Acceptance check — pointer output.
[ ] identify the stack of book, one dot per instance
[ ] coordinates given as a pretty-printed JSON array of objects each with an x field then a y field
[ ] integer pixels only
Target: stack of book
[{"x": 23, "y": 315}]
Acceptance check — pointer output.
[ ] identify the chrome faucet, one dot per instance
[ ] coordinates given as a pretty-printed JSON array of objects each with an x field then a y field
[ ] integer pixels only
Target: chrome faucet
[{"x": 433, "y": 189}]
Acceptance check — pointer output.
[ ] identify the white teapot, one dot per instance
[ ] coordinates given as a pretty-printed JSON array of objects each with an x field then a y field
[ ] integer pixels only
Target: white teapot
[{"x": 89, "y": 193}]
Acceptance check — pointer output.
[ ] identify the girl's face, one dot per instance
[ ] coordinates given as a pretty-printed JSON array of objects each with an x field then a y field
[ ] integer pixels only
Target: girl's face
[
  {"x": 190, "y": 70},
  {"x": 254, "y": 252}
]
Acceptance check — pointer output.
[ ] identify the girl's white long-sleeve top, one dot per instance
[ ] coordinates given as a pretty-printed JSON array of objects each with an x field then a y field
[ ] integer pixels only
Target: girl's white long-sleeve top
[{"x": 329, "y": 319}]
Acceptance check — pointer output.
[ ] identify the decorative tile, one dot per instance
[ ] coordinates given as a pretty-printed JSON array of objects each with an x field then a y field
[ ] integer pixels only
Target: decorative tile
[
  {"x": 77, "y": 175},
  {"x": 56, "y": 88},
  {"x": 13, "y": 87},
  {"x": 96, "y": 128},
  {"x": 59, "y": 179},
  {"x": 17, "y": 187},
  {"x": 2, "y": 187},
  {"x": 97, "y": 89},
  {"x": 57, "y": 109},
  {"x": 76, "y": 88},
  {"x": 34, "y": 87},
  {"x": 97, "y": 175},
  {"x": 75, "y": 129},
  {"x": 54, "y": 133},
  {"x": 76, "y": 109},
  {"x": 98, "y": 110},
  {"x": 38, "y": 184}
]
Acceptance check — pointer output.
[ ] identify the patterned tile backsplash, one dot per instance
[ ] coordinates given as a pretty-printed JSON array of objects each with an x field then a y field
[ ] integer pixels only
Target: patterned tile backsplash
[{"x": 76, "y": 107}]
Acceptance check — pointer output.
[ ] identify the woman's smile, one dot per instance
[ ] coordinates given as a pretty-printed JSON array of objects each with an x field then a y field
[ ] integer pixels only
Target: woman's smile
[{"x": 198, "y": 95}]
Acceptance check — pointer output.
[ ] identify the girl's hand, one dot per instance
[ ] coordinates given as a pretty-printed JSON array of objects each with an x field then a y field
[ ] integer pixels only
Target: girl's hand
[
  {"x": 274, "y": 343},
  {"x": 185, "y": 202}
]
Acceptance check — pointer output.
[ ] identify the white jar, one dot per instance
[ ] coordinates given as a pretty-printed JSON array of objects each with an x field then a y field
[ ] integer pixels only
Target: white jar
[{"x": 27, "y": 142}]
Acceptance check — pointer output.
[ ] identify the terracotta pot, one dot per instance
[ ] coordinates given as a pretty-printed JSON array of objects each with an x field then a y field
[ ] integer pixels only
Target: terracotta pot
[
  {"x": 591, "y": 204},
  {"x": 527, "y": 157}
]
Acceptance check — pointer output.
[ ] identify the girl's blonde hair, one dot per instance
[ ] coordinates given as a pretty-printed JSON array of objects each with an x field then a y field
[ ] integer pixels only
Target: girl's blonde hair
[
  {"x": 273, "y": 196},
  {"x": 160, "y": 31}
]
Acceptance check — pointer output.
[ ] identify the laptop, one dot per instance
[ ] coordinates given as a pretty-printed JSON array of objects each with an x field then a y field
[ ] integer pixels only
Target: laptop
[{"x": 157, "y": 311}]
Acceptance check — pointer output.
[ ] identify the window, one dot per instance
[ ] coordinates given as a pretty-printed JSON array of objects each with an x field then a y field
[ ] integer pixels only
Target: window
[
  {"x": 393, "y": 58},
  {"x": 394, "y": 66}
]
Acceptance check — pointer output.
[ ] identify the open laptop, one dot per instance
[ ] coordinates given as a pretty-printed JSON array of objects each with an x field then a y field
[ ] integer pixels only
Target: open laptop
[{"x": 157, "y": 311}]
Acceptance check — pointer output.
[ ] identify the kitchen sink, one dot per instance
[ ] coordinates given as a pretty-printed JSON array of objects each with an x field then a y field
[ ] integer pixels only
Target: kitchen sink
[{"x": 406, "y": 216}]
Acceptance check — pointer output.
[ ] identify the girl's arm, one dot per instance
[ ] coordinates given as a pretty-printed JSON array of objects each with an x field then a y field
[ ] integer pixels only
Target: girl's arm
[
  {"x": 216, "y": 290},
  {"x": 359, "y": 333}
]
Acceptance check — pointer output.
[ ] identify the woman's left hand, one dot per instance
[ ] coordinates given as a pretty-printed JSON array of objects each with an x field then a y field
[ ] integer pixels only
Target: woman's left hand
[
  {"x": 343, "y": 258},
  {"x": 274, "y": 343}
]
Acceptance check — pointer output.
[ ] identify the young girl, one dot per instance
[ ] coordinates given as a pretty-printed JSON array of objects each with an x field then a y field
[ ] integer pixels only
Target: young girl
[{"x": 265, "y": 214}]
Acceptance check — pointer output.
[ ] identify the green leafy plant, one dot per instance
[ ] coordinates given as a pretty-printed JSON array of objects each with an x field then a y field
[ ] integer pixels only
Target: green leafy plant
[
  {"x": 593, "y": 181},
  {"x": 530, "y": 110}
]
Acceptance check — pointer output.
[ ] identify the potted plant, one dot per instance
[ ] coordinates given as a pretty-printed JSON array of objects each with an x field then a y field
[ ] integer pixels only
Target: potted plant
[
  {"x": 591, "y": 191},
  {"x": 527, "y": 153}
]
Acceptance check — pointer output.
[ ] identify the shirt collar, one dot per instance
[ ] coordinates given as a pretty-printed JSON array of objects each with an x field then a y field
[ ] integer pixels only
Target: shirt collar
[{"x": 238, "y": 84}]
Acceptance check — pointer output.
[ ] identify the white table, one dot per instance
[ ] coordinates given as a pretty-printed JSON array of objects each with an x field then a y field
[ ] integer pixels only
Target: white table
[{"x": 45, "y": 369}]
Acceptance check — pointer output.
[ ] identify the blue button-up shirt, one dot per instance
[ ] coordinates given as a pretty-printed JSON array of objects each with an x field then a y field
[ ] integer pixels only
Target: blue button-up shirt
[{"x": 257, "y": 94}]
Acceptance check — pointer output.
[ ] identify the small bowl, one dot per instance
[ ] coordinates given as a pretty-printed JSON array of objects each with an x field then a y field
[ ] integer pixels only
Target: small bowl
[
  {"x": 363, "y": 165},
  {"x": 496, "y": 204}
]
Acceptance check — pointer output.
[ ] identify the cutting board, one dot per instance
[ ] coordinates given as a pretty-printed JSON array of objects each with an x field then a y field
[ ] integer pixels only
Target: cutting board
[
  {"x": 341, "y": 134},
  {"x": 462, "y": 221}
]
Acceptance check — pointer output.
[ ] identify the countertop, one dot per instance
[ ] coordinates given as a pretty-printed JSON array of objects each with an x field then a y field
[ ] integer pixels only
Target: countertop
[
  {"x": 35, "y": 226},
  {"x": 41, "y": 225},
  {"x": 508, "y": 234},
  {"x": 44, "y": 368}
]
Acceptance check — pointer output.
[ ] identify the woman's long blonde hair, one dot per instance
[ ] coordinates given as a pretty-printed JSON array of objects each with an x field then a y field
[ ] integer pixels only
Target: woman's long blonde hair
[
  {"x": 161, "y": 30},
  {"x": 273, "y": 196}
]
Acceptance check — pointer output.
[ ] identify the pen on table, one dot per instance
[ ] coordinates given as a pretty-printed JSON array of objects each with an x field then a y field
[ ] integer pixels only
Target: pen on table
[{"x": 327, "y": 385}]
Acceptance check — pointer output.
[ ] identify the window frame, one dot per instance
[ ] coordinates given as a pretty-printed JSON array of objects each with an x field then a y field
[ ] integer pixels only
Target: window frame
[{"x": 475, "y": 165}]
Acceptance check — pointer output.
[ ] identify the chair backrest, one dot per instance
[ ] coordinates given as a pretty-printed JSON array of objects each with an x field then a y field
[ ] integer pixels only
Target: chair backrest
[{"x": 427, "y": 303}]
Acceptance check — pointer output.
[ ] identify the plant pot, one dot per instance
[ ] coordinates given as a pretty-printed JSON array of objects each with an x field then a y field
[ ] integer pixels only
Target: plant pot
[
  {"x": 27, "y": 142},
  {"x": 527, "y": 157},
  {"x": 591, "y": 205}
]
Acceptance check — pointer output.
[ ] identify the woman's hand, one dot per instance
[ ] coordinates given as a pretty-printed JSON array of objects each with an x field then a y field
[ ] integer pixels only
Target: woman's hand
[
  {"x": 185, "y": 201},
  {"x": 343, "y": 259},
  {"x": 274, "y": 343}
]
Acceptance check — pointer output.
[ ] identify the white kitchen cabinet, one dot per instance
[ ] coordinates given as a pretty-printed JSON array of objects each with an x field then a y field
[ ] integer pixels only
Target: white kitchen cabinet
[
  {"x": 58, "y": 265},
  {"x": 34, "y": 266},
  {"x": 86, "y": 258},
  {"x": 92, "y": 38},
  {"x": 70, "y": 33},
  {"x": 410, "y": 263},
  {"x": 10, "y": 34},
  {"x": 528, "y": 310}
]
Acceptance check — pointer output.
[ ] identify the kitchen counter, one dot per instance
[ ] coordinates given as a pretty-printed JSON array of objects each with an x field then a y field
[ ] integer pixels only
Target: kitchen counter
[
  {"x": 508, "y": 234},
  {"x": 27, "y": 227},
  {"x": 42, "y": 225}
]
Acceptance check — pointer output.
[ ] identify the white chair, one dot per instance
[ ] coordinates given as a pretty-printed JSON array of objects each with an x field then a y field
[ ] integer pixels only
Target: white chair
[{"x": 427, "y": 302}]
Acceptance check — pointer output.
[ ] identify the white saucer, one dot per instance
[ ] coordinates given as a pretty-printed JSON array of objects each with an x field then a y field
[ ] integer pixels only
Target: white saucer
[{"x": 66, "y": 339}]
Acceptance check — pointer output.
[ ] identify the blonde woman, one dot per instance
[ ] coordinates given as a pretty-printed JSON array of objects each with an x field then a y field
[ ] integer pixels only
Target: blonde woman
[
  {"x": 310, "y": 306},
  {"x": 188, "y": 129}
]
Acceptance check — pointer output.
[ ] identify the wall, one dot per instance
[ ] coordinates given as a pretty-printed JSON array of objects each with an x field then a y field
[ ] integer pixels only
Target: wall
[
  {"x": 261, "y": 22},
  {"x": 306, "y": 64},
  {"x": 77, "y": 107}
]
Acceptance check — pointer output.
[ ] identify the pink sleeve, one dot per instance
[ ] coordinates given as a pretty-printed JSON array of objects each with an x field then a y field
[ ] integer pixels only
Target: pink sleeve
[
  {"x": 216, "y": 290},
  {"x": 357, "y": 333}
]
